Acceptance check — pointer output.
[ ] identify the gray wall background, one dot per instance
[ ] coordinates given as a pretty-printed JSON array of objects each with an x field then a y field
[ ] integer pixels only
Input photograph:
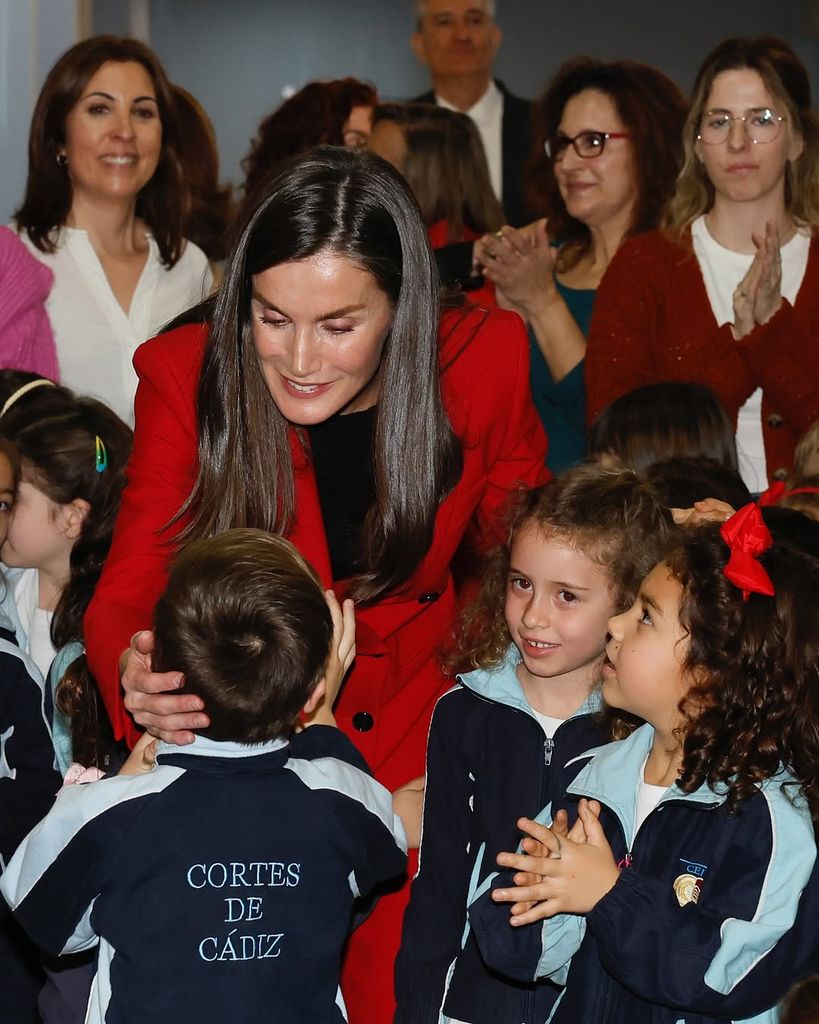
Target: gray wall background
[{"x": 239, "y": 56}]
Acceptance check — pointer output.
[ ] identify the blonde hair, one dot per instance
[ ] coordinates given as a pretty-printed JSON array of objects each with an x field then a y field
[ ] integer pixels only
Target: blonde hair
[
  {"x": 807, "y": 446},
  {"x": 787, "y": 81}
]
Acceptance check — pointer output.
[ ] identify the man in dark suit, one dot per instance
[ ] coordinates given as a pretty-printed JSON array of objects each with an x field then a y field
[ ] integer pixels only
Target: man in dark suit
[{"x": 458, "y": 40}]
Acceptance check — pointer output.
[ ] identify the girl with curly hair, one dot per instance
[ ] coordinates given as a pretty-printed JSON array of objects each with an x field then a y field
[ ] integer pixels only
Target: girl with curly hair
[
  {"x": 534, "y": 640},
  {"x": 687, "y": 887}
]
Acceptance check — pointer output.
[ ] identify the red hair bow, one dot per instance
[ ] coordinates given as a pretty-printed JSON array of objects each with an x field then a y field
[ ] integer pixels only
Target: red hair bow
[
  {"x": 747, "y": 537},
  {"x": 773, "y": 494}
]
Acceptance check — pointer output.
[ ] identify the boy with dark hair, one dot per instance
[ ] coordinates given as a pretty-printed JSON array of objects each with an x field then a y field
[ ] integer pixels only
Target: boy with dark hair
[{"x": 219, "y": 883}]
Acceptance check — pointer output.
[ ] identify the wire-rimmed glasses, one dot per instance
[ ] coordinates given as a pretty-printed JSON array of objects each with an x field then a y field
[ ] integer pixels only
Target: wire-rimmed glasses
[{"x": 761, "y": 125}]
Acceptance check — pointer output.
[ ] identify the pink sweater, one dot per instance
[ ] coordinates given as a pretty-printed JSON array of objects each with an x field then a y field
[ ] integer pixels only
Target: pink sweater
[{"x": 26, "y": 341}]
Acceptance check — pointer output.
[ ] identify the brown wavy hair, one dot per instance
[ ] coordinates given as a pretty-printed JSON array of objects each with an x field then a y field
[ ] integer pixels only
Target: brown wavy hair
[
  {"x": 611, "y": 515},
  {"x": 163, "y": 203},
  {"x": 754, "y": 705},
  {"x": 314, "y": 116},
  {"x": 787, "y": 81},
  {"x": 651, "y": 107}
]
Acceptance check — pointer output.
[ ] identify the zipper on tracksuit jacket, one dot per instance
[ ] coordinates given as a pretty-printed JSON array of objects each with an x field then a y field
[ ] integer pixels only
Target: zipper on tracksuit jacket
[{"x": 548, "y": 753}]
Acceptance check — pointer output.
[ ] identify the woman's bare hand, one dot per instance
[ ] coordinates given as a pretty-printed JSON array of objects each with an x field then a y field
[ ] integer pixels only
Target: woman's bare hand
[{"x": 150, "y": 697}]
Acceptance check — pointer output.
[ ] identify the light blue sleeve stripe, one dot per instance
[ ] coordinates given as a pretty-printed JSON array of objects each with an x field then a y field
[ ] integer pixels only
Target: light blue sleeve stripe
[
  {"x": 101, "y": 988},
  {"x": 745, "y": 943},
  {"x": 561, "y": 937},
  {"x": 83, "y": 937},
  {"x": 75, "y": 807},
  {"x": 336, "y": 775}
]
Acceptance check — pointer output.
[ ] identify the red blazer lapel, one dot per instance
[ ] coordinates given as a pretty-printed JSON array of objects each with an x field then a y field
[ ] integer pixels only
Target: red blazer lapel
[{"x": 307, "y": 531}]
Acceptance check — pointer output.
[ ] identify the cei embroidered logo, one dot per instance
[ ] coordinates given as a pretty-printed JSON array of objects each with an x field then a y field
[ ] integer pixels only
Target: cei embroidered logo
[{"x": 688, "y": 885}]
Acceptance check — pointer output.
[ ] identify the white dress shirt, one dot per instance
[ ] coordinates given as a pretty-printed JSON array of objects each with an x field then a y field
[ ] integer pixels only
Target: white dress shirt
[
  {"x": 487, "y": 114},
  {"x": 95, "y": 337}
]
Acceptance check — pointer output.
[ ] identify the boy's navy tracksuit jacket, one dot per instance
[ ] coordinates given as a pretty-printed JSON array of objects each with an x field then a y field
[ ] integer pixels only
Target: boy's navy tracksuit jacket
[{"x": 219, "y": 885}]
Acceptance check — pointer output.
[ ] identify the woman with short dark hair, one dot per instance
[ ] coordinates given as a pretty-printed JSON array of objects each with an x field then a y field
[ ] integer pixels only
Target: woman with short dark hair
[
  {"x": 105, "y": 208},
  {"x": 333, "y": 402}
]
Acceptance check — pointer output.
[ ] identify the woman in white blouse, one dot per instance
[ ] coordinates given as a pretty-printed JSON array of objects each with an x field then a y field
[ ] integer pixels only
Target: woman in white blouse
[{"x": 105, "y": 208}]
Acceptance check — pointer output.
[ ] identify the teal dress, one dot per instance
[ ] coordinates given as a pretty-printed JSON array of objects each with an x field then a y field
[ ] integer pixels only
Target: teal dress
[{"x": 562, "y": 406}]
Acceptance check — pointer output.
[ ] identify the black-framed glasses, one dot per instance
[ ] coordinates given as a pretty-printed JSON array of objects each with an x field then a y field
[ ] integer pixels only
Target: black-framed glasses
[
  {"x": 585, "y": 144},
  {"x": 761, "y": 125}
]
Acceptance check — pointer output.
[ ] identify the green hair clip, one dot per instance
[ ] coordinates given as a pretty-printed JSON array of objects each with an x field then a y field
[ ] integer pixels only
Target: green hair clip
[{"x": 101, "y": 455}]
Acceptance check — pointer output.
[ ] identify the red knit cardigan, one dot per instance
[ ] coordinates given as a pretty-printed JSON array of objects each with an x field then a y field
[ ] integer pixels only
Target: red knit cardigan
[{"x": 653, "y": 322}]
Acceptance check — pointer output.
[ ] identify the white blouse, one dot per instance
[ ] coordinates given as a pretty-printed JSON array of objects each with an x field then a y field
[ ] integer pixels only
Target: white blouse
[
  {"x": 722, "y": 270},
  {"x": 95, "y": 337}
]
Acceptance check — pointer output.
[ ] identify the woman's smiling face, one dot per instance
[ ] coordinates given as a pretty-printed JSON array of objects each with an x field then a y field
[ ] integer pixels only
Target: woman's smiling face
[{"x": 319, "y": 328}]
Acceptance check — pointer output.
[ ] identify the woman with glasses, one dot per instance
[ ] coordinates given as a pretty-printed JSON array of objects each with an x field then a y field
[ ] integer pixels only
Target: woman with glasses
[
  {"x": 728, "y": 294},
  {"x": 607, "y": 154}
]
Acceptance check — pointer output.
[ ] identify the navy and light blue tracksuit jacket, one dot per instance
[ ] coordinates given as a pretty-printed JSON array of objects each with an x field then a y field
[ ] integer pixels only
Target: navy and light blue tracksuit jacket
[
  {"x": 219, "y": 886},
  {"x": 28, "y": 786},
  {"x": 488, "y": 763},
  {"x": 713, "y": 918}
]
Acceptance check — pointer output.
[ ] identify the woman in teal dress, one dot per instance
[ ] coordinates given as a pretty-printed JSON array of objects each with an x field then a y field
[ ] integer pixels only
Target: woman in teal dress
[{"x": 607, "y": 151}]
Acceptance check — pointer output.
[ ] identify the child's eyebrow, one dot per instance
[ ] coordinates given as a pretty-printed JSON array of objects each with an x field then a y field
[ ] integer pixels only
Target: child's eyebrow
[{"x": 649, "y": 600}]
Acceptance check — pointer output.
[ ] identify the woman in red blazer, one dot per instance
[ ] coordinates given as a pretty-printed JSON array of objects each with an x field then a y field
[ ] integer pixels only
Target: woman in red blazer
[{"x": 320, "y": 405}]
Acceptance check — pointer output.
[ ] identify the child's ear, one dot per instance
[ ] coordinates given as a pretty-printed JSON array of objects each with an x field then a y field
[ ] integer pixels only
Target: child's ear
[
  {"x": 73, "y": 516},
  {"x": 315, "y": 697}
]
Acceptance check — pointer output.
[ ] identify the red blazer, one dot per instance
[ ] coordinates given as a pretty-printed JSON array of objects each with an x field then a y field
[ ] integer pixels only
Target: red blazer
[
  {"x": 388, "y": 697},
  {"x": 653, "y": 322}
]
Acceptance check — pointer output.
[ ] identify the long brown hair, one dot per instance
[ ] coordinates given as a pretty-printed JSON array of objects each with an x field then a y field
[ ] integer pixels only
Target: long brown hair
[
  {"x": 787, "y": 81},
  {"x": 754, "y": 705},
  {"x": 652, "y": 109},
  {"x": 211, "y": 204},
  {"x": 163, "y": 203},
  {"x": 358, "y": 206},
  {"x": 445, "y": 167}
]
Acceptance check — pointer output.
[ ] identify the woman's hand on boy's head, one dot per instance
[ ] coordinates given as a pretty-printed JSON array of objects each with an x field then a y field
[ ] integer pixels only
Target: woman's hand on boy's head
[
  {"x": 559, "y": 874},
  {"x": 149, "y": 695}
]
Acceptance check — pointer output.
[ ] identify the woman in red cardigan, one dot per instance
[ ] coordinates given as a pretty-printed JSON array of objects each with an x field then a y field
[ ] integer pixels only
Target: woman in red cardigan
[
  {"x": 329, "y": 402},
  {"x": 728, "y": 294}
]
